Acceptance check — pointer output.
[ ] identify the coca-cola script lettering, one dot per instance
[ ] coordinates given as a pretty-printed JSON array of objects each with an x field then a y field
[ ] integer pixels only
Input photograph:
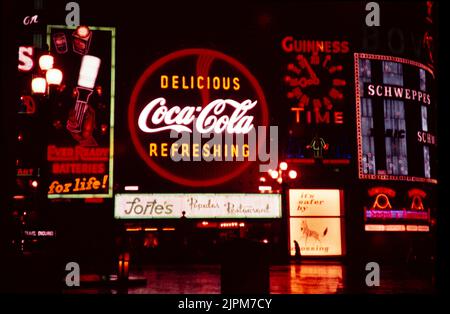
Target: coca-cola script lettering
[{"x": 157, "y": 116}]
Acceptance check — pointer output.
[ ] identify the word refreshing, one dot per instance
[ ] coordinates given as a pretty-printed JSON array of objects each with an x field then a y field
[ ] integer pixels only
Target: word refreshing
[{"x": 221, "y": 147}]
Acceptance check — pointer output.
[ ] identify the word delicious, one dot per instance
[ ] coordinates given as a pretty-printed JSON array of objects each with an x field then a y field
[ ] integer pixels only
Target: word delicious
[
  {"x": 398, "y": 92},
  {"x": 199, "y": 82},
  {"x": 211, "y": 118}
]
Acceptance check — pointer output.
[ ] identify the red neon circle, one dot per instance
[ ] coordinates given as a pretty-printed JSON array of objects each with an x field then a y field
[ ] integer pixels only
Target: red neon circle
[{"x": 140, "y": 84}]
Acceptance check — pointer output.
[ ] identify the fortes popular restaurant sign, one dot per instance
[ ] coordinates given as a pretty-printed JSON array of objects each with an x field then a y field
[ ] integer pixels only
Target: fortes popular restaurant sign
[
  {"x": 154, "y": 206},
  {"x": 191, "y": 115}
]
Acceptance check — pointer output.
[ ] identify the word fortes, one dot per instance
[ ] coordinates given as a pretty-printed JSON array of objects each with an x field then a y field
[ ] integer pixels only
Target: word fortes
[
  {"x": 151, "y": 207},
  {"x": 80, "y": 185},
  {"x": 289, "y": 44},
  {"x": 208, "y": 120},
  {"x": 199, "y": 82},
  {"x": 227, "y": 304},
  {"x": 399, "y": 92}
]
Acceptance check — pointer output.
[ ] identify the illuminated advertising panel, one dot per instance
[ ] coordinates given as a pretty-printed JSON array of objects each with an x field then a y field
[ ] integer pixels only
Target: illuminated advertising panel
[
  {"x": 154, "y": 206},
  {"x": 316, "y": 79},
  {"x": 194, "y": 117},
  {"x": 80, "y": 147},
  {"x": 396, "y": 114},
  {"x": 391, "y": 210},
  {"x": 316, "y": 236},
  {"x": 308, "y": 202},
  {"x": 316, "y": 222}
]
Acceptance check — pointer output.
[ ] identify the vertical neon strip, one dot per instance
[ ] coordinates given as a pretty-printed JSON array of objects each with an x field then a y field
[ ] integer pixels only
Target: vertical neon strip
[
  {"x": 111, "y": 114},
  {"x": 358, "y": 116}
]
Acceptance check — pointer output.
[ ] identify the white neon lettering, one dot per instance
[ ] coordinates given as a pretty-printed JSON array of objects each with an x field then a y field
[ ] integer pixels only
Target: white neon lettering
[
  {"x": 25, "y": 58},
  {"x": 210, "y": 118}
]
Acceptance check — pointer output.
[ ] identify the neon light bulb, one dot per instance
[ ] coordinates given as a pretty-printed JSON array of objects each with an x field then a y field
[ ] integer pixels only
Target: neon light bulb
[
  {"x": 46, "y": 62},
  {"x": 54, "y": 76},
  {"x": 292, "y": 174},
  {"x": 34, "y": 184},
  {"x": 88, "y": 71},
  {"x": 39, "y": 85},
  {"x": 283, "y": 166},
  {"x": 83, "y": 31}
]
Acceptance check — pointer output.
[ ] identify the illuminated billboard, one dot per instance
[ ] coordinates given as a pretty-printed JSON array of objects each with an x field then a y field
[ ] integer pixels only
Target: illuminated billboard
[
  {"x": 317, "y": 79},
  {"x": 194, "y": 116},
  {"x": 316, "y": 222},
  {"x": 157, "y": 206},
  {"x": 396, "y": 114},
  {"x": 316, "y": 236},
  {"x": 80, "y": 136}
]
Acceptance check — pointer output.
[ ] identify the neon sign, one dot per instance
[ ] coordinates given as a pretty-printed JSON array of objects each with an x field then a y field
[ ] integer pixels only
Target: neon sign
[
  {"x": 387, "y": 210},
  {"x": 316, "y": 83},
  {"x": 80, "y": 149},
  {"x": 155, "y": 206},
  {"x": 26, "y": 62},
  {"x": 395, "y": 118},
  {"x": 190, "y": 95}
]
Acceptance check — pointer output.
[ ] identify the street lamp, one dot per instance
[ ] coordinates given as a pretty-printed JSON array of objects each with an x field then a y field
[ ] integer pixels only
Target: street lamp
[
  {"x": 283, "y": 176},
  {"x": 53, "y": 76}
]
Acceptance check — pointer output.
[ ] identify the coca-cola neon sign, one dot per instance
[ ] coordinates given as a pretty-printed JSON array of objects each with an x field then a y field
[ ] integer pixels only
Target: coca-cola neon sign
[{"x": 199, "y": 92}]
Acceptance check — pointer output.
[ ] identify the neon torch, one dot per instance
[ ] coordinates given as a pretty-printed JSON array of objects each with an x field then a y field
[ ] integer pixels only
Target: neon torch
[{"x": 86, "y": 81}]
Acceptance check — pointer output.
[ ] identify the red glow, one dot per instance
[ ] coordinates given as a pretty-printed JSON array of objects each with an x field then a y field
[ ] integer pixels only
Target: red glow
[
  {"x": 381, "y": 190},
  {"x": 416, "y": 192},
  {"x": 336, "y": 161},
  {"x": 93, "y": 200}
]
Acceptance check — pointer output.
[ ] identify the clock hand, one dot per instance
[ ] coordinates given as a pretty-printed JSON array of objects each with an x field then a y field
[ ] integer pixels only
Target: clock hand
[{"x": 314, "y": 79}]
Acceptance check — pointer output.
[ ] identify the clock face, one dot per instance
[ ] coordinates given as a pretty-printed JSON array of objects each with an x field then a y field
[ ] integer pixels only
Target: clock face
[{"x": 315, "y": 82}]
